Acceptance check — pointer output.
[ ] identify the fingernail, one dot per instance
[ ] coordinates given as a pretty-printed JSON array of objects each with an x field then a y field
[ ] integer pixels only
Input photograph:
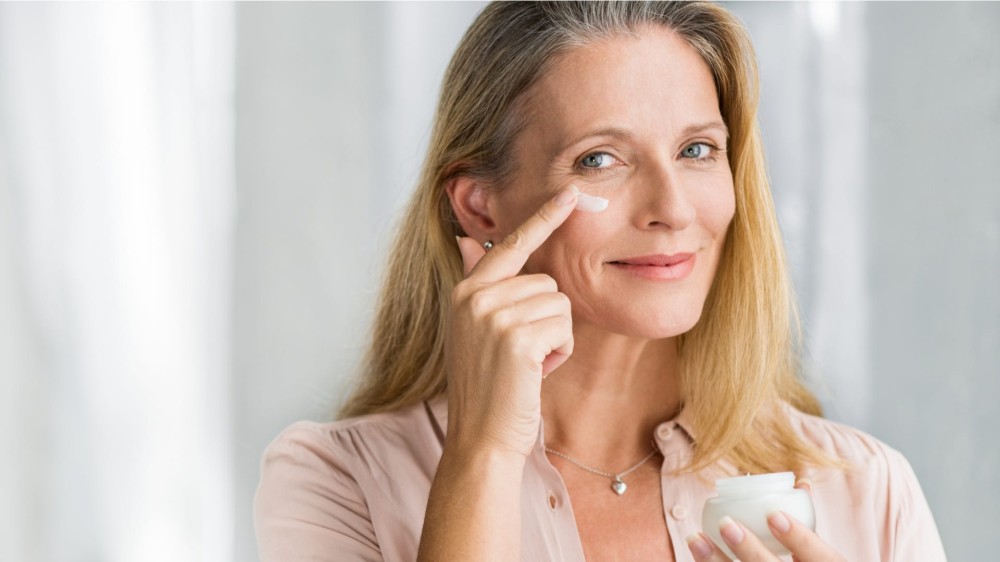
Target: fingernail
[
  {"x": 699, "y": 546},
  {"x": 730, "y": 530},
  {"x": 804, "y": 482},
  {"x": 778, "y": 521},
  {"x": 591, "y": 203},
  {"x": 566, "y": 196}
]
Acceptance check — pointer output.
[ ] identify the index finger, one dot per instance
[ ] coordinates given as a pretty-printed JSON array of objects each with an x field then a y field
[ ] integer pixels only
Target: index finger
[
  {"x": 508, "y": 256},
  {"x": 802, "y": 541}
]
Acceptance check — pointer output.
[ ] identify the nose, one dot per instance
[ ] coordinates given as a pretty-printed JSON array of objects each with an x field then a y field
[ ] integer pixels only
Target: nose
[{"x": 665, "y": 201}]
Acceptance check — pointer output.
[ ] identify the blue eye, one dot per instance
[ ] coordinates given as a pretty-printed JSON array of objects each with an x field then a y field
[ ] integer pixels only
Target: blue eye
[
  {"x": 597, "y": 160},
  {"x": 700, "y": 151}
]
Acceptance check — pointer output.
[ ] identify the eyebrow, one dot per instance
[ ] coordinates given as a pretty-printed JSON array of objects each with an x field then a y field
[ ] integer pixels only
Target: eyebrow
[
  {"x": 620, "y": 133},
  {"x": 719, "y": 125}
]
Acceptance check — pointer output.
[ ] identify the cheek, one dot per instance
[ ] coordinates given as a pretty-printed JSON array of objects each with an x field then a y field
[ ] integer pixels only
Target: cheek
[
  {"x": 717, "y": 209},
  {"x": 570, "y": 253}
]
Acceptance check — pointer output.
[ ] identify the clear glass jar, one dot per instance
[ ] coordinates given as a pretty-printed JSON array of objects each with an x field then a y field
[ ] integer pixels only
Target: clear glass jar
[{"x": 748, "y": 499}]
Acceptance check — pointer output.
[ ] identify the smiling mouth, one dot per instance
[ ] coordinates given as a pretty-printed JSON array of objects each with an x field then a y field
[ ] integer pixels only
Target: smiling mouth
[
  {"x": 655, "y": 261},
  {"x": 660, "y": 268}
]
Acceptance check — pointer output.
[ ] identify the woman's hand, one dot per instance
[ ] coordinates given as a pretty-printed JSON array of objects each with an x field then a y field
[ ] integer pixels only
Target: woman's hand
[
  {"x": 801, "y": 541},
  {"x": 506, "y": 332},
  {"x": 804, "y": 544}
]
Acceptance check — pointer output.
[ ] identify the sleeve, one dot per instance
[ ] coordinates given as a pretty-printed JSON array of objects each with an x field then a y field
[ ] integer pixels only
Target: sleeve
[
  {"x": 308, "y": 506},
  {"x": 915, "y": 535}
]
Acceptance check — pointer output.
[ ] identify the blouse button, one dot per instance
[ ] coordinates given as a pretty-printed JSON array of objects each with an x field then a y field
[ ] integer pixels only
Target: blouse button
[
  {"x": 665, "y": 431},
  {"x": 552, "y": 502},
  {"x": 679, "y": 512}
]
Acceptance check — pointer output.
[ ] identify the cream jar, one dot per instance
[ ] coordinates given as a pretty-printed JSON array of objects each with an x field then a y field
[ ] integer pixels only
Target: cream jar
[{"x": 748, "y": 499}]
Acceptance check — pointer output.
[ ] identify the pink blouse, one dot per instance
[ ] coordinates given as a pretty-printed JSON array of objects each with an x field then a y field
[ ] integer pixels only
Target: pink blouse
[{"x": 356, "y": 490}]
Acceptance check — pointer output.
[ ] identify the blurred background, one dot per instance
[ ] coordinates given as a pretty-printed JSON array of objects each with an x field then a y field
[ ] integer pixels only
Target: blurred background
[{"x": 196, "y": 201}]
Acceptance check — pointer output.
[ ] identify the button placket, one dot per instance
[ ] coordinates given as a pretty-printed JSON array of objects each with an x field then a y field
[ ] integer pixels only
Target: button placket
[{"x": 677, "y": 504}]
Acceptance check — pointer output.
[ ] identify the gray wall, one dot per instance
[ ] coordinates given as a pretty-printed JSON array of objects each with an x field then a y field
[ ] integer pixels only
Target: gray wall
[
  {"x": 934, "y": 267},
  {"x": 881, "y": 123},
  {"x": 883, "y": 139}
]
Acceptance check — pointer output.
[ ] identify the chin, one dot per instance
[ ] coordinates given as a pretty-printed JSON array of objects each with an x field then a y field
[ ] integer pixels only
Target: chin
[{"x": 652, "y": 323}]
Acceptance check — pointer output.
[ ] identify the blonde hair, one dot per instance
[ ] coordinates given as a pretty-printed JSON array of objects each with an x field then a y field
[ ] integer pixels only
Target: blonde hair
[{"x": 736, "y": 363}]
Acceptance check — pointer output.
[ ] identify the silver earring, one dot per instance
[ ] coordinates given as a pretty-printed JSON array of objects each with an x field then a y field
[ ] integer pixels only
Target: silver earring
[{"x": 487, "y": 245}]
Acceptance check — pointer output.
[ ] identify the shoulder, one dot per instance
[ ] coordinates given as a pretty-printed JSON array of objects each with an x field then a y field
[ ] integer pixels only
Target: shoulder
[
  {"x": 872, "y": 465},
  {"x": 874, "y": 508},
  {"x": 335, "y": 487},
  {"x": 357, "y": 447},
  {"x": 844, "y": 442},
  {"x": 348, "y": 435}
]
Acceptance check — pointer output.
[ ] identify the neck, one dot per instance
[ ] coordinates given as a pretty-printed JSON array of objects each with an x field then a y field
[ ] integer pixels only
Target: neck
[{"x": 603, "y": 404}]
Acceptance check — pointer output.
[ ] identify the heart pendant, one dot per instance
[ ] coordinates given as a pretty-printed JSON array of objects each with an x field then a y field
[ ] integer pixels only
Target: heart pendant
[{"x": 618, "y": 486}]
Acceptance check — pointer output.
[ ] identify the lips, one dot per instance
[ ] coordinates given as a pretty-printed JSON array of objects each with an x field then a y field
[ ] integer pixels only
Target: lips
[
  {"x": 658, "y": 267},
  {"x": 660, "y": 260}
]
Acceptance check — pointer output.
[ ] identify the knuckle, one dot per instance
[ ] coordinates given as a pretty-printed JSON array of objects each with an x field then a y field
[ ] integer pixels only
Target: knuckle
[
  {"x": 480, "y": 303},
  {"x": 542, "y": 283},
  {"x": 560, "y": 323},
  {"x": 545, "y": 214},
  {"x": 458, "y": 295},
  {"x": 500, "y": 319},
  {"x": 564, "y": 301},
  {"x": 511, "y": 336},
  {"x": 549, "y": 282},
  {"x": 515, "y": 240}
]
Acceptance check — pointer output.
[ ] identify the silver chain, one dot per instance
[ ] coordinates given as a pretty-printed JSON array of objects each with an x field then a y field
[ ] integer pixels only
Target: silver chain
[{"x": 601, "y": 472}]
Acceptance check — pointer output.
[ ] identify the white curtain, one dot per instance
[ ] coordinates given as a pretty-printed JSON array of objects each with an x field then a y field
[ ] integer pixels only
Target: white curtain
[{"x": 116, "y": 198}]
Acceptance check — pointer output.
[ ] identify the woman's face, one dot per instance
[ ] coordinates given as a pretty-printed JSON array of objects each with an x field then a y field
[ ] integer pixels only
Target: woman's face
[{"x": 636, "y": 121}]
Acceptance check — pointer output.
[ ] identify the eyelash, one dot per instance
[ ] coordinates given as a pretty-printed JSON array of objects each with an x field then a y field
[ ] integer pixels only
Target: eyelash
[{"x": 714, "y": 156}]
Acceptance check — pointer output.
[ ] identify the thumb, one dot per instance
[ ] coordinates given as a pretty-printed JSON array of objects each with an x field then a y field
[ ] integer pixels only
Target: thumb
[
  {"x": 806, "y": 484},
  {"x": 552, "y": 362},
  {"x": 471, "y": 251}
]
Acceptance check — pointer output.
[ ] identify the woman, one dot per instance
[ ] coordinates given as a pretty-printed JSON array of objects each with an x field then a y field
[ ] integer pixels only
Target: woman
[{"x": 548, "y": 383}]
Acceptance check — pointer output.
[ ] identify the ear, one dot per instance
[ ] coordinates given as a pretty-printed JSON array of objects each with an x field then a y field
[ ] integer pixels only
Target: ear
[{"x": 471, "y": 200}]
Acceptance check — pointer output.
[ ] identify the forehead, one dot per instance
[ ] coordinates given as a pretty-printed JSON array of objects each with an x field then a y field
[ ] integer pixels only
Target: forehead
[{"x": 650, "y": 83}]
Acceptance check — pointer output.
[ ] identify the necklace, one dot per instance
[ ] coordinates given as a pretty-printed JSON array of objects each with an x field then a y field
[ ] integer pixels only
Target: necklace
[{"x": 617, "y": 485}]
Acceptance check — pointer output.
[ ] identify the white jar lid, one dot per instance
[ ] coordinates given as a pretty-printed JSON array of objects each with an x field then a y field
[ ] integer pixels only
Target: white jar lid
[{"x": 755, "y": 484}]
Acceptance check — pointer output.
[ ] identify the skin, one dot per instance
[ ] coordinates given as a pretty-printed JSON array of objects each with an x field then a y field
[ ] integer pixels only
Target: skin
[{"x": 547, "y": 299}]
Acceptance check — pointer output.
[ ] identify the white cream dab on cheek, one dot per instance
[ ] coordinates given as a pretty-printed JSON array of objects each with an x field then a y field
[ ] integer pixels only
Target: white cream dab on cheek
[{"x": 591, "y": 203}]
